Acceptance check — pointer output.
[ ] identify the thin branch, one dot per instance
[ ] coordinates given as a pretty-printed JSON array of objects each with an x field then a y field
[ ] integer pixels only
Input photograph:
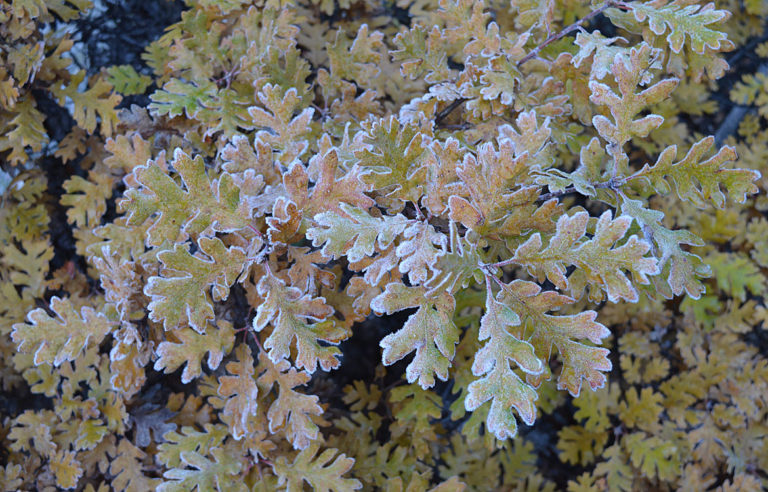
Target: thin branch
[
  {"x": 571, "y": 28},
  {"x": 445, "y": 112},
  {"x": 551, "y": 39}
]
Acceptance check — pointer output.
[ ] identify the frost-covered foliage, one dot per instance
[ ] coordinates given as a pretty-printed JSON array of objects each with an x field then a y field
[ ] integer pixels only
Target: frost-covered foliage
[{"x": 523, "y": 182}]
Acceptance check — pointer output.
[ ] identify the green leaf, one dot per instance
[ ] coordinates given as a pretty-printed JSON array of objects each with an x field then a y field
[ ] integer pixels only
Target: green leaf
[
  {"x": 27, "y": 268},
  {"x": 206, "y": 475},
  {"x": 709, "y": 174},
  {"x": 323, "y": 473},
  {"x": 580, "y": 361},
  {"x": 392, "y": 161},
  {"x": 422, "y": 53},
  {"x": 56, "y": 340},
  {"x": 580, "y": 446},
  {"x": 419, "y": 250},
  {"x": 25, "y": 129},
  {"x": 589, "y": 173},
  {"x": 192, "y": 347},
  {"x": 127, "y": 81},
  {"x": 653, "y": 456},
  {"x": 99, "y": 100},
  {"x": 499, "y": 382},
  {"x": 681, "y": 268},
  {"x": 181, "y": 294},
  {"x": 454, "y": 268},
  {"x": 356, "y": 234},
  {"x": 604, "y": 52},
  {"x": 205, "y": 203},
  {"x": 226, "y": 113},
  {"x": 415, "y": 411},
  {"x": 189, "y": 440},
  {"x": 618, "y": 474},
  {"x": 429, "y": 331},
  {"x": 736, "y": 274},
  {"x": 683, "y": 20},
  {"x": 177, "y": 98},
  {"x": 290, "y": 313},
  {"x": 599, "y": 263}
]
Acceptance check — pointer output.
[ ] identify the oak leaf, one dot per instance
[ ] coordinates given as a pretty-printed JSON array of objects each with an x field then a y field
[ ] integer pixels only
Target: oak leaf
[
  {"x": 291, "y": 411},
  {"x": 356, "y": 234},
  {"x": 60, "y": 339},
  {"x": 580, "y": 361},
  {"x": 711, "y": 175},
  {"x": 240, "y": 392},
  {"x": 99, "y": 100},
  {"x": 683, "y": 20},
  {"x": 499, "y": 381},
  {"x": 298, "y": 317},
  {"x": 205, "y": 202},
  {"x": 192, "y": 348},
  {"x": 324, "y": 472},
  {"x": 181, "y": 293},
  {"x": 601, "y": 264},
  {"x": 430, "y": 331}
]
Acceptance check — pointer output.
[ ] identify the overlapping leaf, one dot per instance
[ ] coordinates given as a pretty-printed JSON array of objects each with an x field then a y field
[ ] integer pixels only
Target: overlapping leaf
[
  {"x": 127, "y": 81},
  {"x": 355, "y": 235},
  {"x": 681, "y": 269},
  {"x": 330, "y": 190},
  {"x": 192, "y": 348},
  {"x": 629, "y": 73},
  {"x": 420, "y": 249},
  {"x": 499, "y": 382},
  {"x": 99, "y": 100},
  {"x": 204, "y": 474},
  {"x": 239, "y": 390},
  {"x": 291, "y": 411},
  {"x": 392, "y": 161},
  {"x": 599, "y": 260},
  {"x": 488, "y": 178},
  {"x": 299, "y": 317},
  {"x": 422, "y": 53},
  {"x": 278, "y": 127},
  {"x": 177, "y": 98},
  {"x": 24, "y": 130},
  {"x": 456, "y": 267},
  {"x": 580, "y": 361},
  {"x": 683, "y": 20},
  {"x": 324, "y": 472}
]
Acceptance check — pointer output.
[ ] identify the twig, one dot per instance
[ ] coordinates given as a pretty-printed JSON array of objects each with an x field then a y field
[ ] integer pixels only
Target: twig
[
  {"x": 445, "y": 112},
  {"x": 551, "y": 39},
  {"x": 570, "y": 29}
]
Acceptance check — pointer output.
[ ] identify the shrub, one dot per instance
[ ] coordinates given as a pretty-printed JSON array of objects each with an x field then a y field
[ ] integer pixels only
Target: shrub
[{"x": 515, "y": 207}]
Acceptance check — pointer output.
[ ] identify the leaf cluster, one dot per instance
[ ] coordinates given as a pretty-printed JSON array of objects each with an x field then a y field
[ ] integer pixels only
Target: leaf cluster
[{"x": 350, "y": 252}]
